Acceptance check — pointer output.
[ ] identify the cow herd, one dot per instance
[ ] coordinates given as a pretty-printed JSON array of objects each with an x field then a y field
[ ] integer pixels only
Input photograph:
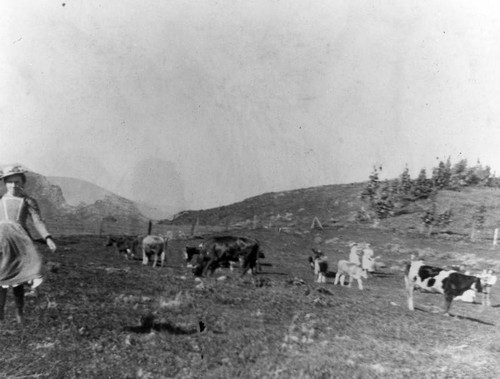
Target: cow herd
[
  {"x": 212, "y": 253},
  {"x": 228, "y": 250}
]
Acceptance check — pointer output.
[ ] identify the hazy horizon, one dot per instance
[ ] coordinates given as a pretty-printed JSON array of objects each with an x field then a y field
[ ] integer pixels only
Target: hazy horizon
[{"x": 200, "y": 105}]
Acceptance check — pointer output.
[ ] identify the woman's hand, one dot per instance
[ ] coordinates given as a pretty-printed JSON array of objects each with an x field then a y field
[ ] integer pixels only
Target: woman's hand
[{"x": 51, "y": 244}]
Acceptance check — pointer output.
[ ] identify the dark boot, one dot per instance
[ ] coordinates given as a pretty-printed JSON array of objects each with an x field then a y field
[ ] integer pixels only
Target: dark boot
[
  {"x": 19, "y": 299},
  {"x": 3, "y": 297}
]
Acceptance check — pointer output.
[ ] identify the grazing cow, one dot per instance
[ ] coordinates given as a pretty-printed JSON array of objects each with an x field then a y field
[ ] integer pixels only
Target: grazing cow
[
  {"x": 224, "y": 249},
  {"x": 320, "y": 265},
  {"x": 124, "y": 244},
  {"x": 156, "y": 247},
  {"x": 352, "y": 270},
  {"x": 450, "y": 283},
  {"x": 189, "y": 252}
]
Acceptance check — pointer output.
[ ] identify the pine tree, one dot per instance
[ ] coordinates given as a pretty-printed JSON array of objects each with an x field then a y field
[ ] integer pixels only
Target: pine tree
[
  {"x": 405, "y": 182},
  {"x": 378, "y": 196},
  {"x": 371, "y": 189},
  {"x": 441, "y": 175},
  {"x": 422, "y": 187}
]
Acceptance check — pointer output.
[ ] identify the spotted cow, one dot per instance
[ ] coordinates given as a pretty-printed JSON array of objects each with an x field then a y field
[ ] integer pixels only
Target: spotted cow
[{"x": 450, "y": 283}]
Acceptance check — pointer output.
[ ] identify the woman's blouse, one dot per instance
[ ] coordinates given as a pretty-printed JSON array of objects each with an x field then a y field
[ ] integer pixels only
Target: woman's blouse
[{"x": 17, "y": 209}]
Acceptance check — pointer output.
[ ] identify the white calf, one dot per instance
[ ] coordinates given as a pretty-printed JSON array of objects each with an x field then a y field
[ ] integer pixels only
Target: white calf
[
  {"x": 352, "y": 270},
  {"x": 155, "y": 246}
]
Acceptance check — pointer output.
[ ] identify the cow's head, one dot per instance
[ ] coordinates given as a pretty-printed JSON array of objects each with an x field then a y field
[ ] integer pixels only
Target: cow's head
[
  {"x": 311, "y": 262},
  {"x": 109, "y": 241},
  {"x": 477, "y": 285},
  {"x": 199, "y": 265},
  {"x": 188, "y": 253},
  {"x": 317, "y": 254}
]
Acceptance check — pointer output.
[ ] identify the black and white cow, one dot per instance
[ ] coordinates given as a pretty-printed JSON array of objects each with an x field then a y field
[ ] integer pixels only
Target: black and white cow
[
  {"x": 220, "y": 250},
  {"x": 319, "y": 264},
  {"x": 450, "y": 283}
]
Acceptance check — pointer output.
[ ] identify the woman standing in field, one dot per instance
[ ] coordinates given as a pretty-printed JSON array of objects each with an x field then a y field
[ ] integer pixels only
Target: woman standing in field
[{"x": 20, "y": 261}]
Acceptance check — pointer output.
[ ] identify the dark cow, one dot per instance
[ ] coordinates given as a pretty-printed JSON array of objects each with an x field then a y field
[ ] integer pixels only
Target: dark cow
[
  {"x": 124, "y": 244},
  {"x": 450, "y": 283},
  {"x": 189, "y": 252},
  {"x": 217, "y": 251}
]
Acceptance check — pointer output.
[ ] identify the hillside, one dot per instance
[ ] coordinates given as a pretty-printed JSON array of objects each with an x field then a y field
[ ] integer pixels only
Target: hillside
[
  {"x": 78, "y": 191},
  {"x": 111, "y": 213},
  {"x": 338, "y": 205},
  {"x": 331, "y": 204}
]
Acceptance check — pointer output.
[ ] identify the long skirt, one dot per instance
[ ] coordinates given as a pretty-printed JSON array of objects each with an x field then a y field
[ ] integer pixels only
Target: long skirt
[{"x": 20, "y": 261}]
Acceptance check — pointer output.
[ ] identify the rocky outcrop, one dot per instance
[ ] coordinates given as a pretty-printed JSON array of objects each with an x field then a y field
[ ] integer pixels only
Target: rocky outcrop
[{"x": 111, "y": 214}]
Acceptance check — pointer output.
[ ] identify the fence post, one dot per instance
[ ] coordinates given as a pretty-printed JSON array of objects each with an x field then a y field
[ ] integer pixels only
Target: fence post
[
  {"x": 254, "y": 223},
  {"x": 101, "y": 227},
  {"x": 195, "y": 226},
  {"x": 495, "y": 237}
]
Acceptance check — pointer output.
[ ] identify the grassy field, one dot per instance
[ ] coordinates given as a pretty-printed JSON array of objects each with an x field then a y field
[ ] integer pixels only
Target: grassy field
[{"x": 98, "y": 315}]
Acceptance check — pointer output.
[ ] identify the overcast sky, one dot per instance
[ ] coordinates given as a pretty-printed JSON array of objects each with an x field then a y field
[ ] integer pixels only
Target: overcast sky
[{"x": 205, "y": 103}]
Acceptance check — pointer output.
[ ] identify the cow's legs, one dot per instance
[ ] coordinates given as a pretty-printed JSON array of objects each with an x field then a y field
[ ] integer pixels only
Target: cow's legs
[
  {"x": 409, "y": 292},
  {"x": 486, "y": 297},
  {"x": 207, "y": 267},
  {"x": 245, "y": 266},
  {"x": 144, "y": 257},
  {"x": 155, "y": 259},
  {"x": 360, "y": 284},
  {"x": 337, "y": 277},
  {"x": 447, "y": 304},
  {"x": 19, "y": 300},
  {"x": 162, "y": 258},
  {"x": 350, "y": 281}
]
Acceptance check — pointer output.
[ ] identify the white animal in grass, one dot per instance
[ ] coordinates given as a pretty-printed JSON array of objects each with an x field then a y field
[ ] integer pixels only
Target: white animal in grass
[
  {"x": 352, "y": 270},
  {"x": 154, "y": 247}
]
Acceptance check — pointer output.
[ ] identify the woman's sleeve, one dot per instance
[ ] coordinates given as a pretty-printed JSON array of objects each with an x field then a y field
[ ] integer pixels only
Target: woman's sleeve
[{"x": 36, "y": 216}]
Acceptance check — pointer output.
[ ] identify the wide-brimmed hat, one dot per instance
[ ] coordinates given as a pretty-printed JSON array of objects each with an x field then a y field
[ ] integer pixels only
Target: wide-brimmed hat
[{"x": 12, "y": 170}]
